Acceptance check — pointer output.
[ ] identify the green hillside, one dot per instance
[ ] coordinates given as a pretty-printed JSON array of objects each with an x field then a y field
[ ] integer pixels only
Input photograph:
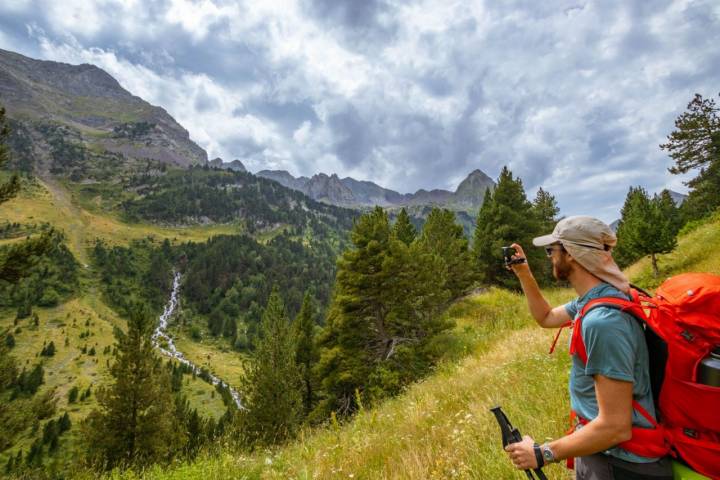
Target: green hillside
[
  {"x": 81, "y": 324},
  {"x": 441, "y": 427}
]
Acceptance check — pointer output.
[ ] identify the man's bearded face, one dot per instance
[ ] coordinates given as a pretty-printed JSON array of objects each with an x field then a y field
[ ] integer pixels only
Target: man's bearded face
[{"x": 561, "y": 267}]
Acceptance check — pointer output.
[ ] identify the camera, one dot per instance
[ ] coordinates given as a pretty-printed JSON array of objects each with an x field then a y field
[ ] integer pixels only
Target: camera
[{"x": 508, "y": 252}]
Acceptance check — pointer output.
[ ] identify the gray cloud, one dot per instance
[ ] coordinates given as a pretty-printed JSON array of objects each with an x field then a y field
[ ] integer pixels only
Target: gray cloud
[{"x": 571, "y": 95}]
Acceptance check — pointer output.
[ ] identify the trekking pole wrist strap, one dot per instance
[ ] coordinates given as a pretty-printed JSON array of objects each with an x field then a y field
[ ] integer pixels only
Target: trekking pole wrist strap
[{"x": 538, "y": 456}]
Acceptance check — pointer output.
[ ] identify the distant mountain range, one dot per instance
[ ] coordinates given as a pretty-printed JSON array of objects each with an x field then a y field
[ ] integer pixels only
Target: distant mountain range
[
  {"x": 349, "y": 192},
  {"x": 236, "y": 165}
]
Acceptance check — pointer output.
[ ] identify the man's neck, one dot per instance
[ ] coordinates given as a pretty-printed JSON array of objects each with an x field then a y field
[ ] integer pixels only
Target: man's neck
[{"x": 582, "y": 281}]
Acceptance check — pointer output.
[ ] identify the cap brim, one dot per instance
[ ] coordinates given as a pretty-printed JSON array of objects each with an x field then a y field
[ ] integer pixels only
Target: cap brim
[{"x": 545, "y": 240}]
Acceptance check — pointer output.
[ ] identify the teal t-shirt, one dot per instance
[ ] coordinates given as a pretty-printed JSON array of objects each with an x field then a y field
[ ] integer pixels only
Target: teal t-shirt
[{"x": 616, "y": 348}]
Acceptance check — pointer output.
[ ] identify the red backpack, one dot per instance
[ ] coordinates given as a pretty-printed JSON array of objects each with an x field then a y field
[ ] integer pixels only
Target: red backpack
[{"x": 682, "y": 326}]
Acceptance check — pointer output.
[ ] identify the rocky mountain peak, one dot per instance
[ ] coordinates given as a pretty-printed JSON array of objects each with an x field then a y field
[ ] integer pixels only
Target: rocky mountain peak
[{"x": 471, "y": 191}]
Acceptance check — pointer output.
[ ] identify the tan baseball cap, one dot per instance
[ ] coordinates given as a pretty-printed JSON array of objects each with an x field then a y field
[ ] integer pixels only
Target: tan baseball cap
[{"x": 582, "y": 231}]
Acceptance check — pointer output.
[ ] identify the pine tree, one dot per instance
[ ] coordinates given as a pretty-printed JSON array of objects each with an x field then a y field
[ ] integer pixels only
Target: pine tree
[
  {"x": 64, "y": 424},
  {"x": 695, "y": 143},
  {"x": 135, "y": 421},
  {"x": 388, "y": 296},
  {"x": 505, "y": 217},
  {"x": 24, "y": 309},
  {"x": 48, "y": 350},
  {"x": 272, "y": 384},
  {"x": 403, "y": 229},
  {"x": 8, "y": 368},
  {"x": 443, "y": 237},
  {"x": 50, "y": 430},
  {"x": 647, "y": 227},
  {"x": 9, "y": 340},
  {"x": 546, "y": 209},
  {"x": 306, "y": 356},
  {"x": 10, "y": 188}
]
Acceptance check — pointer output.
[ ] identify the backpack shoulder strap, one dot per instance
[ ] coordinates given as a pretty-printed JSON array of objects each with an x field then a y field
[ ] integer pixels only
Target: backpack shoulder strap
[{"x": 633, "y": 307}]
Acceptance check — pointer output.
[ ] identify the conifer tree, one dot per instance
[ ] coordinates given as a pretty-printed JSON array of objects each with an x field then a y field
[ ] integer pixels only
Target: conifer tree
[
  {"x": 48, "y": 350},
  {"x": 273, "y": 384},
  {"x": 445, "y": 238},
  {"x": 10, "y": 188},
  {"x": 695, "y": 144},
  {"x": 306, "y": 356},
  {"x": 546, "y": 210},
  {"x": 403, "y": 229},
  {"x": 388, "y": 296},
  {"x": 135, "y": 422},
  {"x": 64, "y": 424},
  {"x": 647, "y": 227},
  {"x": 8, "y": 368},
  {"x": 505, "y": 217}
]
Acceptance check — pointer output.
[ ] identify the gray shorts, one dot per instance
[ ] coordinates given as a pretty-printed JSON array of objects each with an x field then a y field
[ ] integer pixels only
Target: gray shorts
[{"x": 604, "y": 467}]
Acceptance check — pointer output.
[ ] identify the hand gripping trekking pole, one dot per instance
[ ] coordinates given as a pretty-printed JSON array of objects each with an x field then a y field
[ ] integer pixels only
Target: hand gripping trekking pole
[{"x": 510, "y": 435}]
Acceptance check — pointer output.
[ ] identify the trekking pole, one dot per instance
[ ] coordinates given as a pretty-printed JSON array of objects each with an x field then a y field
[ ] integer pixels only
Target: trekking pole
[{"x": 510, "y": 435}]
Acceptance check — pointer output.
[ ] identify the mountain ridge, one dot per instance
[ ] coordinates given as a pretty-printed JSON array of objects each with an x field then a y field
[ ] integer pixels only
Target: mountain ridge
[{"x": 350, "y": 192}]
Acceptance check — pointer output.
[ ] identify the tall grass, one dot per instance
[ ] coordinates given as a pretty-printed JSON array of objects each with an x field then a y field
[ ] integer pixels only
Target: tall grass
[{"x": 440, "y": 427}]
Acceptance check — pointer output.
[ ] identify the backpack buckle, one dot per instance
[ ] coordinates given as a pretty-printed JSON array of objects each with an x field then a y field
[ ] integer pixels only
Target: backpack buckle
[
  {"x": 690, "y": 432},
  {"x": 687, "y": 335}
]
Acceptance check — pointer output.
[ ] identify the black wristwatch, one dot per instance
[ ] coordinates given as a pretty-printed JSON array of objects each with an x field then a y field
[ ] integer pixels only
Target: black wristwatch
[{"x": 539, "y": 456}]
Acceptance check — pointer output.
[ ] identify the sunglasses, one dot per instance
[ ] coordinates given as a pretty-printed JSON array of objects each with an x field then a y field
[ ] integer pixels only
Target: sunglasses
[{"x": 550, "y": 249}]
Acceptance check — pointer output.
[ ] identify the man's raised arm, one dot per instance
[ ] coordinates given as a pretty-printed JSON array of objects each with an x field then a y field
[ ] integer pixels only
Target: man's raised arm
[{"x": 542, "y": 312}]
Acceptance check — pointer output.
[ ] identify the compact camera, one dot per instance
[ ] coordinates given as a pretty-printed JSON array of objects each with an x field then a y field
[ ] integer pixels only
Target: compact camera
[{"x": 508, "y": 252}]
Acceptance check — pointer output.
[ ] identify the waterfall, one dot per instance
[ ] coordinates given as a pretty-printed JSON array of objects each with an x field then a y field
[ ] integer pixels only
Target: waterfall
[{"x": 172, "y": 351}]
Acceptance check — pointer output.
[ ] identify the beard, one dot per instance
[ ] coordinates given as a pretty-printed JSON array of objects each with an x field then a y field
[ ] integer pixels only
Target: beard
[{"x": 562, "y": 270}]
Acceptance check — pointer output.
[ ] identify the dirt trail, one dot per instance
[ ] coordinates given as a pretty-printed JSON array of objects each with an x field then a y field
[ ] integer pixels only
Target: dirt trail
[{"x": 75, "y": 223}]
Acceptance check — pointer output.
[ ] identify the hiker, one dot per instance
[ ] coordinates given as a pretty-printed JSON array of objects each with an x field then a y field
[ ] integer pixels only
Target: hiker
[{"x": 616, "y": 372}]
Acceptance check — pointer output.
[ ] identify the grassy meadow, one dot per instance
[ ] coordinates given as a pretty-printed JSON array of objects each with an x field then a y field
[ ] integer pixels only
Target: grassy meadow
[{"x": 48, "y": 201}]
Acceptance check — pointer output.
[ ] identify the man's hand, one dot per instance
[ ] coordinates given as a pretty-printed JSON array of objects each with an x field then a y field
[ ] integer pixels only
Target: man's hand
[
  {"x": 522, "y": 454},
  {"x": 519, "y": 268}
]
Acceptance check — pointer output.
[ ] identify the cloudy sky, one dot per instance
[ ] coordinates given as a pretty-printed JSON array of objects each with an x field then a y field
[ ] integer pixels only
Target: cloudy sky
[{"x": 573, "y": 96}]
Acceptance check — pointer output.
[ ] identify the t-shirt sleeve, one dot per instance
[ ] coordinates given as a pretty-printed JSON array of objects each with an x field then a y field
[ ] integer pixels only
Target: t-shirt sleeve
[
  {"x": 571, "y": 308},
  {"x": 610, "y": 344}
]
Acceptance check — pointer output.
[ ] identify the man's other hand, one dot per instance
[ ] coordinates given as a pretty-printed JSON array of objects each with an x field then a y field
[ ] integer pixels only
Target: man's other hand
[{"x": 522, "y": 454}]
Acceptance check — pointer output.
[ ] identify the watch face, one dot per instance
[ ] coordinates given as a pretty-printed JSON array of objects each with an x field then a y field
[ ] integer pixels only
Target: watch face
[{"x": 547, "y": 454}]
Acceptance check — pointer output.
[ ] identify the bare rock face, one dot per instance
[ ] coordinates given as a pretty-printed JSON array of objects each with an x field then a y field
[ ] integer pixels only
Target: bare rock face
[
  {"x": 329, "y": 189},
  {"x": 471, "y": 191},
  {"x": 87, "y": 110},
  {"x": 349, "y": 192}
]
